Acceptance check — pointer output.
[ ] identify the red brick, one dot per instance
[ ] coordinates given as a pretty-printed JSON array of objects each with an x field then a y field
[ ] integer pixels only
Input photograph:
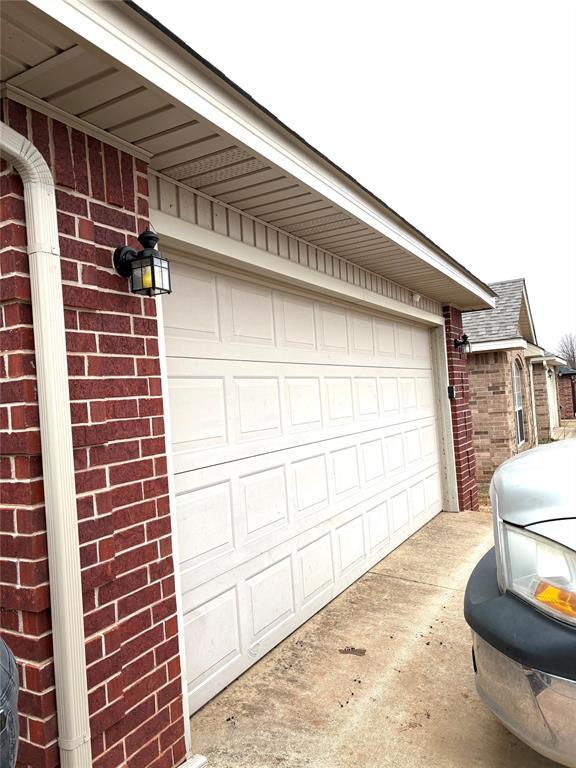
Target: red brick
[
  {"x": 15, "y": 288},
  {"x": 66, "y": 224},
  {"x": 27, "y": 442},
  {"x": 131, "y": 471},
  {"x": 63, "y": 168},
  {"x": 86, "y": 230},
  {"x": 109, "y": 323},
  {"x": 111, "y": 366},
  {"x": 97, "y": 389},
  {"x": 12, "y": 207},
  {"x": 17, "y": 117},
  {"x": 96, "y": 168},
  {"x": 70, "y": 203},
  {"x": 79, "y": 157},
  {"x": 24, "y": 416},
  {"x": 134, "y": 513},
  {"x": 121, "y": 345},
  {"x": 133, "y": 558},
  {"x": 137, "y": 600},
  {"x": 14, "y": 261},
  {"x": 23, "y": 391},
  {"x": 113, "y": 453},
  {"x": 41, "y": 134},
  {"x": 96, "y": 621},
  {"x": 128, "y": 192},
  {"x": 112, "y": 217},
  {"x": 13, "y": 236},
  {"x": 152, "y": 446}
]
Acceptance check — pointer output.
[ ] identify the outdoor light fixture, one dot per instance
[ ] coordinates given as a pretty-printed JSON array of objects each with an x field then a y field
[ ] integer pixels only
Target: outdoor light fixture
[
  {"x": 148, "y": 270},
  {"x": 550, "y": 373},
  {"x": 463, "y": 344}
]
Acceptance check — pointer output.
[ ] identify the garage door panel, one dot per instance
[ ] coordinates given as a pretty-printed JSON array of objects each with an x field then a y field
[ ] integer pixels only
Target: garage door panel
[
  {"x": 350, "y": 548},
  {"x": 205, "y": 524},
  {"x": 305, "y": 449},
  {"x": 192, "y": 314},
  {"x": 198, "y": 412},
  {"x": 221, "y": 409},
  {"x": 257, "y": 401},
  {"x": 214, "y": 315},
  {"x": 296, "y": 322},
  {"x": 316, "y": 568},
  {"x": 361, "y": 334},
  {"x": 281, "y": 495}
]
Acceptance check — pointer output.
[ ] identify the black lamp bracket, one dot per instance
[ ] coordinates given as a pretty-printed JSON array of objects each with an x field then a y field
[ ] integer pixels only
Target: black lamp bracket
[
  {"x": 461, "y": 342},
  {"x": 125, "y": 255}
]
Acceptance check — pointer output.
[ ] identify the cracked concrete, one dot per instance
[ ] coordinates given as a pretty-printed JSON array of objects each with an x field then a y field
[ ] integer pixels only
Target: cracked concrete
[{"x": 408, "y": 702}]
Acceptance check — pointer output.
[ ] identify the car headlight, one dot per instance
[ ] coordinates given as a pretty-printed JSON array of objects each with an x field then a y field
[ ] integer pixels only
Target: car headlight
[{"x": 540, "y": 571}]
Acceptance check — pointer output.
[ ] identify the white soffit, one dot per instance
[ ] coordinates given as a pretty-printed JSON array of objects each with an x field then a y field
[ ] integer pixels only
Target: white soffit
[{"x": 104, "y": 64}]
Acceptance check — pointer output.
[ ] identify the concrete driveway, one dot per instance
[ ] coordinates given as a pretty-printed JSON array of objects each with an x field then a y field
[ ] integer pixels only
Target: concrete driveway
[{"x": 408, "y": 702}]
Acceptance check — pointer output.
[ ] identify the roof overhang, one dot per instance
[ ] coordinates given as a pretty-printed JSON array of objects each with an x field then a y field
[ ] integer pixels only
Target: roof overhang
[
  {"x": 552, "y": 361},
  {"x": 499, "y": 344},
  {"x": 111, "y": 68}
]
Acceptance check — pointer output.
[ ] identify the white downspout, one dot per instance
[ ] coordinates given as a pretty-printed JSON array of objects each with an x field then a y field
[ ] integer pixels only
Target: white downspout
[{"x": 57, "y": 456}]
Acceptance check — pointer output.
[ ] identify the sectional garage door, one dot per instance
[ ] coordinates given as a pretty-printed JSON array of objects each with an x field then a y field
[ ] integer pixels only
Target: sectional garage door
[{"x": 304, "y": 441}]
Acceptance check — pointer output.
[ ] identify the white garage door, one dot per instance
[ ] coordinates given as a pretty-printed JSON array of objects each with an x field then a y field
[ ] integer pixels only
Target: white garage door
[{"x": 305, "y": 449}]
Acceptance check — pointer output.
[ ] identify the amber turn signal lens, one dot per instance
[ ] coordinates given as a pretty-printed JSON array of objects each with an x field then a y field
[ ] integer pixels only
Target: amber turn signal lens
[{"x": 560, "y": 600}]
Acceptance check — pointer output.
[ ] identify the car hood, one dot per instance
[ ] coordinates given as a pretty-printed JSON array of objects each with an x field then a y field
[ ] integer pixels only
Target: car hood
[{"x": 537, "y": 485}]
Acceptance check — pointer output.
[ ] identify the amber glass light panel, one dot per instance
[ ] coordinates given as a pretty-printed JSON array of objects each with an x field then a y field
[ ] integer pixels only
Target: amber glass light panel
[{"x": 150, "y": 273}]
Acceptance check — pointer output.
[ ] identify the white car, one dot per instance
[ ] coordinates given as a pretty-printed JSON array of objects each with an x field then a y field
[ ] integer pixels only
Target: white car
[{"x": 521, "y": 601}]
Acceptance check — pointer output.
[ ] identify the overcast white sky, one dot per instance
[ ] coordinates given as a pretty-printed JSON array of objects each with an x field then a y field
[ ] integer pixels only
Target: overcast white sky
[{"x": 461, "y": 115}]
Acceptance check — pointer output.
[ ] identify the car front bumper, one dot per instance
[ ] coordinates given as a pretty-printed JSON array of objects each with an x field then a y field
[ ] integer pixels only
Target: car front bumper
[
  {"x": 540, "y": 709},
  {"x": 525, "y": 666}
]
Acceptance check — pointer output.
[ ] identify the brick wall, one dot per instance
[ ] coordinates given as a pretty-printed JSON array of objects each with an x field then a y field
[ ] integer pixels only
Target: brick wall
[
  {"x": 461, "y": 414},
  {"x": 492, "y": 405},
  {"x": 132, "y": 653},
  {"x": 566, "y": 397}
]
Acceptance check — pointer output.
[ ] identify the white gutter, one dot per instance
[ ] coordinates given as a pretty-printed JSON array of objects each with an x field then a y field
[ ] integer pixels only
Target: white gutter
[{"x": 57, "y": 456}]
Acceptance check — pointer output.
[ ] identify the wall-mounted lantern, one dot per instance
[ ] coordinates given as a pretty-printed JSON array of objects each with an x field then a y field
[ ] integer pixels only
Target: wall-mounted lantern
[
  {"x": 463, "y": 344},
  {"x": 148, "y": 270},
  {"x": 550, "y": 373}
]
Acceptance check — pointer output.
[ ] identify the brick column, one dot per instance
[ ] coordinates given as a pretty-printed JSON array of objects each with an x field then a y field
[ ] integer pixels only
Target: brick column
[
  {"x": 541, "y": 402},
  {"x": 132, "y": 653},
  {"x": 566, "y": 397},
  {"x": 462, "y": 428}
]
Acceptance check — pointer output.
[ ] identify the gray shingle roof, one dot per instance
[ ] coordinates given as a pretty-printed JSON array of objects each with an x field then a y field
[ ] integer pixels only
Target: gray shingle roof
[{"x": 505, "y": 320}]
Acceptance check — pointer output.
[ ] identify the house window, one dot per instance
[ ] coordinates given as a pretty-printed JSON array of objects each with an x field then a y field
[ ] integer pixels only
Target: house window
[{"x": 518, "y": 410}]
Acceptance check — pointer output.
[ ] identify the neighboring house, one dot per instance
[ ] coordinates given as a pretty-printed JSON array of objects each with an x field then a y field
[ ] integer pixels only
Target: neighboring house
[
  {"x": 567, "y": 392},
  {"x": 513, "y": 391},
  {"x": 188, "y": 478}
]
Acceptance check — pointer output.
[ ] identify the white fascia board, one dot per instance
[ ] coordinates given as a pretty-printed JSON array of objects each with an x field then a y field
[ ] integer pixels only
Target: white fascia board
[
  {"x": 182, "y": 236},
  {"x": 136, "y": 45},
  {"x": 489, "y": 346},
  {"x": 529, "y": 312}
]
